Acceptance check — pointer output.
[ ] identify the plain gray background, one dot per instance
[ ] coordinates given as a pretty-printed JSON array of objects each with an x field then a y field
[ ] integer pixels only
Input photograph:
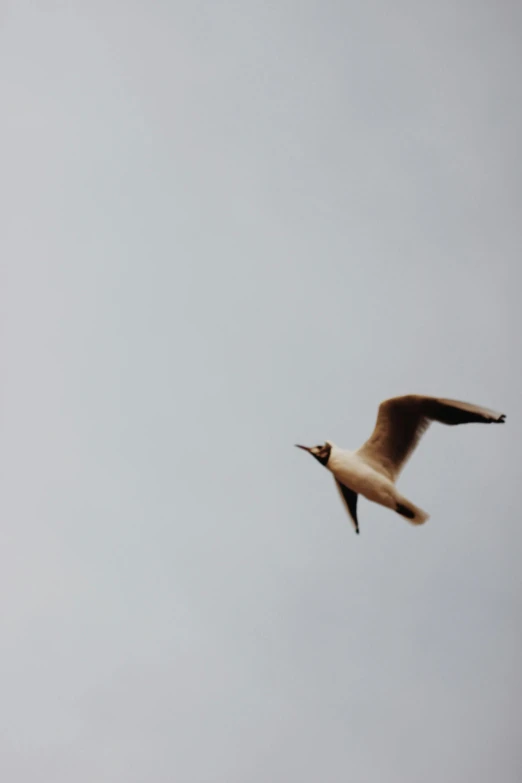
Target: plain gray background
[{"x": 229, "y": 227}]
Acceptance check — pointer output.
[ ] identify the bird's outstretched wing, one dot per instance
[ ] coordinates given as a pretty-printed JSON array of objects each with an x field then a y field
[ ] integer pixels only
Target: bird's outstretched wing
[
  {"x": 401, "y": 422},
  {"x": 350, "y": 501}
]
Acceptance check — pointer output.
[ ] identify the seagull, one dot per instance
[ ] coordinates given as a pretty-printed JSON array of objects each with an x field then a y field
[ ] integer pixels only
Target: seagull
[{"x": 373, "y": 469}]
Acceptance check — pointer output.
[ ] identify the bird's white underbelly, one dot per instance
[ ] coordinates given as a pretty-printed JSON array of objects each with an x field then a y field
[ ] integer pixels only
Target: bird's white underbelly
[{"x": 363, "y": 479}]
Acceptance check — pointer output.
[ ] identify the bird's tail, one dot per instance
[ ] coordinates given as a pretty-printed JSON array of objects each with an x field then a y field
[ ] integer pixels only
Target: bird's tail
[{"x": 412, "y": 513}]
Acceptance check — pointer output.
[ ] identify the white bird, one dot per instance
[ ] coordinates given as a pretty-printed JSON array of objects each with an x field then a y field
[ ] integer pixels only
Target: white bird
[{"x": 373, "y": 469}]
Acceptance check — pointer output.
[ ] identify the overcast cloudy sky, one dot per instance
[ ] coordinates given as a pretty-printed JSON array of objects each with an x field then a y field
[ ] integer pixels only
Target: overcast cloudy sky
[{"x": 231, "y": 226}]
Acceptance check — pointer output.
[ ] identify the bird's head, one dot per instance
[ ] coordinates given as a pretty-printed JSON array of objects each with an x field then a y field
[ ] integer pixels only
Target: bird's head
[{"x": 321, "y": 453}]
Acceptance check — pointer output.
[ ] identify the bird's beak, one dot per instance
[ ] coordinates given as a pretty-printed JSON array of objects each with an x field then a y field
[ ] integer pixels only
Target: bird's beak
[{"x": 305, "y": 448}]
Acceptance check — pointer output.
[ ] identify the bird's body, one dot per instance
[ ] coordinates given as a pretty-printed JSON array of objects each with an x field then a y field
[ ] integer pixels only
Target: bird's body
[
  {"x": 353, "y": 472},
  {"x": 373, "y": 469}
]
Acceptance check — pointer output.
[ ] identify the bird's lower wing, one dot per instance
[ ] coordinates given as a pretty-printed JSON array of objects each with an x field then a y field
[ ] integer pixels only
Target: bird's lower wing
[{"x": 350, "y": 501}]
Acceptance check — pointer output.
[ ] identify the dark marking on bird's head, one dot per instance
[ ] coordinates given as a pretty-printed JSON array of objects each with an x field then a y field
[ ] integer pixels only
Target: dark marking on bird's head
[{"x": 321, "y": 453}]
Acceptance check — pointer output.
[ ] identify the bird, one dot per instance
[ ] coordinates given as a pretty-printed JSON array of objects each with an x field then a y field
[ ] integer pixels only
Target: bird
[{"x": 372, "y": 470}]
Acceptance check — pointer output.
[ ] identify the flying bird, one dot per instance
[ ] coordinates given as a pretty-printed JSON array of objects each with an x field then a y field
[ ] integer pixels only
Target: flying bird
[{"x": 373, "y": 469}]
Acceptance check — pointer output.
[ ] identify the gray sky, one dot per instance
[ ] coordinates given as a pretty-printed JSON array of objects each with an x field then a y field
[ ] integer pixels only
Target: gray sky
[{"x": 230, "y": 227}]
